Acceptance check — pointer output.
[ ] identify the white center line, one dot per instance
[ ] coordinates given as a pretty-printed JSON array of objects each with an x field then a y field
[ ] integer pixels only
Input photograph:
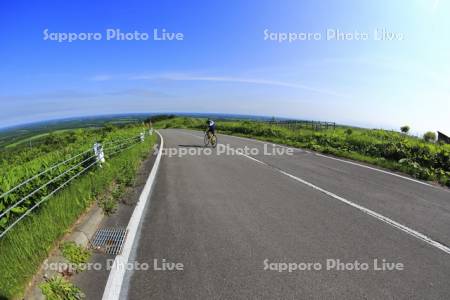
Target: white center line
[
  {"x": 367, "y": 211},
  {"x": 343, "y": 161}
]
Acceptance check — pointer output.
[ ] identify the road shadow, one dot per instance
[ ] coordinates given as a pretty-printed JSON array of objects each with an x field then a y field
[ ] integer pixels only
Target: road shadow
[{"x": 191, "y": 146}]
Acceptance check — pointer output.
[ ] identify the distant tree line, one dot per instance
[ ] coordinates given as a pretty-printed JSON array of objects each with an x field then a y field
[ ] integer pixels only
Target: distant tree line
[
  {"x": 429, "y": 136},
  {"x": 157, "y": 118}
]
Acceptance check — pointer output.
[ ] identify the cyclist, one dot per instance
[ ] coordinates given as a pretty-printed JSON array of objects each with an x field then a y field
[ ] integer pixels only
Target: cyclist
[{"x": 211, "y": 130}]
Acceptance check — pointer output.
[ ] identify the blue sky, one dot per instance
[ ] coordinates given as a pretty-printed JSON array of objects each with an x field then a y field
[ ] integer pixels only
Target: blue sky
[{"x": 225, "y": 65}]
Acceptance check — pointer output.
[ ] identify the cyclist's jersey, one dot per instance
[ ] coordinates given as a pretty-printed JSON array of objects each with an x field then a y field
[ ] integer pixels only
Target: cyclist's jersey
[{"x": 211, "y": 126}]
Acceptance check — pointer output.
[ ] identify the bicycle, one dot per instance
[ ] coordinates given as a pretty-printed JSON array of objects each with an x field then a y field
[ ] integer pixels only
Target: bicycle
[{"x": 210, "y": 139}]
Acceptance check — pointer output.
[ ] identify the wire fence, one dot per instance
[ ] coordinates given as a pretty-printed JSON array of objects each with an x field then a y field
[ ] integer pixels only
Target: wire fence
[
  {"x": 42, "y": 173},
  {"x": 77, "y": 164},
  {"x": 45, "y": 185}
]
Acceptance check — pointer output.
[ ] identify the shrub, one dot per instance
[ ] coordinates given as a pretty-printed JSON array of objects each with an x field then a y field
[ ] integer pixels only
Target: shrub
[
  {"x": 404, "y": 129},
  {"x": 58, "y": 288},
  {"x": 108, "y": 204},
  {"x": 429, "y": 136},
  {"x": 75, "y": 254}
]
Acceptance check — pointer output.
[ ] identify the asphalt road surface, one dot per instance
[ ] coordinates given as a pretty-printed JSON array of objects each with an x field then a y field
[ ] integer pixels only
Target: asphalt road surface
[{"x": 236, "y": 221}]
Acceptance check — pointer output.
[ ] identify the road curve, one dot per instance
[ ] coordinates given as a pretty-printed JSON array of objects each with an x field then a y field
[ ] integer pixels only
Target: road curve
[{"x": 223, "y": 216}]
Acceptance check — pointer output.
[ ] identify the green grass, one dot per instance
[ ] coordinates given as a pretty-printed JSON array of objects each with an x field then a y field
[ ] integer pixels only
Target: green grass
[
  {"x": 391, "y": 150},
  {"x": 75, "y": 254},
  {"x": 59, "y": 288},
  {"x": 25, "y": 247},
  {"x": 17, "y": 166}
]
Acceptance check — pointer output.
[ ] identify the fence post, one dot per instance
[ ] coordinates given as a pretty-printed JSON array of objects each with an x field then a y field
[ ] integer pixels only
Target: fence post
[{"x": 100, "y": 155}]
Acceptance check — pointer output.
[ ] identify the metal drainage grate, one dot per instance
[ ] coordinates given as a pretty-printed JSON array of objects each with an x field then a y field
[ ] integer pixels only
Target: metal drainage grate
[{"x": 109, "y": 240}]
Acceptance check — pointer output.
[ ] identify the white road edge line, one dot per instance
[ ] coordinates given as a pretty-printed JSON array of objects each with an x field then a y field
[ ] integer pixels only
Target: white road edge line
[
  {"x": 375, "y": 169},
  {"x": 341, "y": 160},
  {"x": 367, "y": 211},
  {"x": 117, "y": 273},
  {"x": 334, "y": 158}
]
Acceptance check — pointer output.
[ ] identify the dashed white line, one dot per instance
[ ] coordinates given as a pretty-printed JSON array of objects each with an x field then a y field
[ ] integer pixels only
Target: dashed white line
[
  {"x": 344, "y": 161},
  {"x": 367, "y": 211}
]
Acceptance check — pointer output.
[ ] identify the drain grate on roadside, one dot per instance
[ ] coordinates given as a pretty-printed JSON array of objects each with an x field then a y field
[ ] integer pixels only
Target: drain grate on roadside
[{"x": 109, "y": 240}]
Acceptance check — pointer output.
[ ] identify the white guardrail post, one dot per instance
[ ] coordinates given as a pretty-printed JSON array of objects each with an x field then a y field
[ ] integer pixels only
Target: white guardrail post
[{"x": 100, "y": 155}]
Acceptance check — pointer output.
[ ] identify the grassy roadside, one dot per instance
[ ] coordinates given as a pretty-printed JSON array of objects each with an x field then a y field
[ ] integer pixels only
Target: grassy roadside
[
  {"x": 390, "y": 150},
  {"x": 17, "y": 166},
  {"x": 25, "y": 247}
]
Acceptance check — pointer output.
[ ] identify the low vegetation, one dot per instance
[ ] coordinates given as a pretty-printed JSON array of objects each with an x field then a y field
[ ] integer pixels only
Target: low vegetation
[
  {"x": 25, "y": 247},
  {"x": 420, "y": 158},
  {"x": 429, "y": 136},
  {"x": 75, "y": 254},
  {"x": 59, "y": 288}
]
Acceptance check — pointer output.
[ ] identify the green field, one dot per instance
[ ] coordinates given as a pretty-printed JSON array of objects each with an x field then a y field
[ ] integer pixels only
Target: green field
[
  {"x": 21, "y": 135},
  {"x": 35, "y": 139}
]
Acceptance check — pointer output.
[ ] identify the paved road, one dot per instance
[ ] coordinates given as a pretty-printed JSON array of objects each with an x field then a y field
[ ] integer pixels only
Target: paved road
[{"x": 222, "y": 216}]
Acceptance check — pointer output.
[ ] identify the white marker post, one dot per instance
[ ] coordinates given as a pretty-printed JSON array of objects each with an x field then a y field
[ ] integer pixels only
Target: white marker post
[{"x": 100, "y": 155}]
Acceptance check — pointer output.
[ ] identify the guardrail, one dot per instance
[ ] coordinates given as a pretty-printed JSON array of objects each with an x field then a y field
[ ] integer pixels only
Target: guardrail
[{"x": 86, "y": 162}]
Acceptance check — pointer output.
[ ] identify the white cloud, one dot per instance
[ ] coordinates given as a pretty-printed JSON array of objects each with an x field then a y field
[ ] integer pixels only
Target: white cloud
[
  {"x": 435, "y": 5},
  {"x": 230, "y": 79}
]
